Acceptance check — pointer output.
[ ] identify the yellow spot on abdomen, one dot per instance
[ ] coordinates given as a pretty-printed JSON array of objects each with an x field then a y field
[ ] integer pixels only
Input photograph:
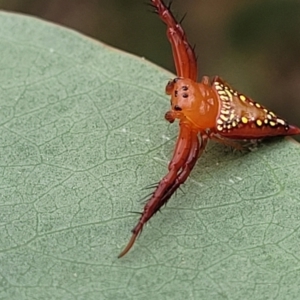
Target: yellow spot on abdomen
[
  {"x": 243, "y": 98},
  {"x": 259, "y": 123},
  {"x": 244, "y": 120}
]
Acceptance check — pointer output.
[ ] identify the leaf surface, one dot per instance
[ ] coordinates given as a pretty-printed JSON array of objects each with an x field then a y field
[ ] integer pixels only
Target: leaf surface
[{"x": 81, "y": 132}]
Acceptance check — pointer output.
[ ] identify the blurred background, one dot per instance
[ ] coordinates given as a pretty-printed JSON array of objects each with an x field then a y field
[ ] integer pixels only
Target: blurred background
[{"x": 254, "y": 45}]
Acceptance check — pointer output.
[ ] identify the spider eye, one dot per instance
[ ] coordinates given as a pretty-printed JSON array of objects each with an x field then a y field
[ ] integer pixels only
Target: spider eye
[{"x": 178, "y": 108}]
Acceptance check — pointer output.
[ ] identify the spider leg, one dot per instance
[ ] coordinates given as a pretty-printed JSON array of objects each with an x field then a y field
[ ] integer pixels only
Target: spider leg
[
  {"x": 196, "y": 151},
  {"x": 185, "y": 170},
  {"x": 183, "y": 148},
  {"x": 183, "y": 53}
]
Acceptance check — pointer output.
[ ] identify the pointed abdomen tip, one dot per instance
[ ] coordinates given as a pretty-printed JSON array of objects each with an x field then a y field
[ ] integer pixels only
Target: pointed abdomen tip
[{"x": 293, "y": 130}]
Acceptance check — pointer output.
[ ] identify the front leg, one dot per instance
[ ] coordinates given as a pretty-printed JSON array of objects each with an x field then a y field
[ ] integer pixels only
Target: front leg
[
  {"x": 183, "y": 152},
  {"x": 184, "y": 55},
  {"x": 196, "y": 151}
]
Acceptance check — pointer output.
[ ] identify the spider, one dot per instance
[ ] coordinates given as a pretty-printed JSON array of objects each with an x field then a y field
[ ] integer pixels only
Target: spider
[{"x": 210, "y": 109}]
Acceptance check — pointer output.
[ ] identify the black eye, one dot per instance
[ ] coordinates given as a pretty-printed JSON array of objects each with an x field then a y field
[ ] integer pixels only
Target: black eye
[{"x": 178, "y": 108}]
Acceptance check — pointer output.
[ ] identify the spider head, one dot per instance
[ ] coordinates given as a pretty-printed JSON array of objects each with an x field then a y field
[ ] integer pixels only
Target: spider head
[
  {"x": 183, "y": 92},
  {"x": 191, "y": 102}
]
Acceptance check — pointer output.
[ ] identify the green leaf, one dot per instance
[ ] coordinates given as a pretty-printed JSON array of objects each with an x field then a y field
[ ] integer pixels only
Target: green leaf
[{"x": 82, "y": 130}]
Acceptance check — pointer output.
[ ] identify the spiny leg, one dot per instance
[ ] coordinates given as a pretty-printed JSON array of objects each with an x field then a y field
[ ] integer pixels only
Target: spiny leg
[
  {"x": 184, "y": 55},
  {"x": 180, "y": 156},
  {"x": 185, "y": 169},
  {"x": 196, "y": 151}
]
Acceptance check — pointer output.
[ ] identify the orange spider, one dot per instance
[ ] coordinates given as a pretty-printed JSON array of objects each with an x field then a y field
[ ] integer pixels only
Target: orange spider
[{"x": 209, "y": 109}]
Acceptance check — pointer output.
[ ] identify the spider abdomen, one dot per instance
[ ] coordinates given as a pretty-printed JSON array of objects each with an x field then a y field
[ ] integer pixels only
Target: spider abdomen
[{"x": 240, "y": 117}]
